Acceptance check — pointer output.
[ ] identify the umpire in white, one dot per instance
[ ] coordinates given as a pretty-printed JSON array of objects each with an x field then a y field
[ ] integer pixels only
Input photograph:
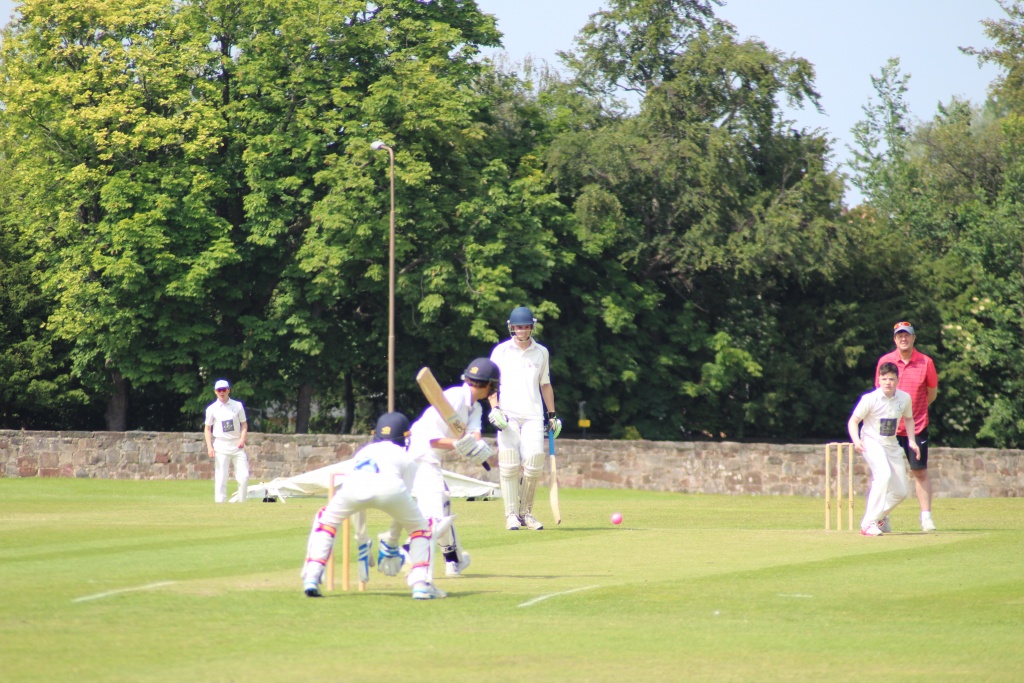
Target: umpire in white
[{"x": 225, "y": 432}]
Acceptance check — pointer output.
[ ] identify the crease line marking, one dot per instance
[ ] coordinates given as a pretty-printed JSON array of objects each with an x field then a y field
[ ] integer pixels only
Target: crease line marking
[
  {"x": 97, "y": 596},
  {"x": 530, "y": 603}
]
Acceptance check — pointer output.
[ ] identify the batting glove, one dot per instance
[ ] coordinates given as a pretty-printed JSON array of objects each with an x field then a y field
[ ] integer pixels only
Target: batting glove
[
  {"x": 498, "y": 418},
  {"x": 465, "y": 445},
  {"x": 554, "y": 424},
  {"x": 481, "y": 451}
]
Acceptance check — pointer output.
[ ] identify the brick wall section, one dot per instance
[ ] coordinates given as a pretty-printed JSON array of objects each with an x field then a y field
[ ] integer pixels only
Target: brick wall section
[{"x": 704, "y": 467}]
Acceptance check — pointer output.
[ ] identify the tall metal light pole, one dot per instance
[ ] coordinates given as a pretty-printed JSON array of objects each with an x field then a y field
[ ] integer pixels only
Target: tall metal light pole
[{"x": 376, "y": 146}]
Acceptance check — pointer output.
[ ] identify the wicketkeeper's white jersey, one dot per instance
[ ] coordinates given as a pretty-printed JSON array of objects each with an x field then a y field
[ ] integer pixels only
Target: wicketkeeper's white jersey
[{"x": 383, "y": 459}]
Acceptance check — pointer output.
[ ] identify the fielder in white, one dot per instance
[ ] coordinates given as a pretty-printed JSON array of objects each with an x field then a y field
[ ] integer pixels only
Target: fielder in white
[
  {"x": 432, "y": 438},
  {"x": 518, "y": 411},
  {"x": 225, "y": 432},
  {"x": 880, "y": 412},
  {"x": 380, "y": 478}
]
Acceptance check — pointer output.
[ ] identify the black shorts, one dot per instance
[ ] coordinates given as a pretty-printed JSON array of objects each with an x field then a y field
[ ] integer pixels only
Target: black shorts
[{"x": 922, "y": 443}]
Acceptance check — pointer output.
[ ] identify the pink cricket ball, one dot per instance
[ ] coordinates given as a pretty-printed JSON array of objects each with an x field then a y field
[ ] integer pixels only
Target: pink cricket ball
[{"x": 616, "y": 518}]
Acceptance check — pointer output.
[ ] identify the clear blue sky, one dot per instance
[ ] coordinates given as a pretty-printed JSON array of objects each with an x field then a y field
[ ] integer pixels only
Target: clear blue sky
[{"x": 847, "y": 43}]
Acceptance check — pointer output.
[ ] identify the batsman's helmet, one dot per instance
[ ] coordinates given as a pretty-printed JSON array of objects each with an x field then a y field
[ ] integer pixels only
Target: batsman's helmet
[
  {"x": 393, "y": 427},
  {"x": 483, "y": 370},
  {"x": 520, "y": 316}
]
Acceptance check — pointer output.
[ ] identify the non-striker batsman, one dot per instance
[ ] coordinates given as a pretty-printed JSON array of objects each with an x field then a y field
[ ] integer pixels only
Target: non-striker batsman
[{"x": 523, "y": 411}]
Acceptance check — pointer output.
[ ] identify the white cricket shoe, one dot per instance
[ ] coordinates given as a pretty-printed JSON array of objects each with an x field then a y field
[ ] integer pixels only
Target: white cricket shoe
[
  {"x": 927, "y": 524},
  {"x": 456, "y": 568},
  {"x": 871, "y": 530},
  {"x": 531, "y": 522},
  {"x": 512, "y": 522},
  {"x": 427, "y": 591},
  {"x": 884, "y": 525},
  {"x": 311, "y": 590}
]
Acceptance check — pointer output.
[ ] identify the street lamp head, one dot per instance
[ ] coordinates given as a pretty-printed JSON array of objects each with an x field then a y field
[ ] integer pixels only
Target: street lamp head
[{"x": 378, "y": 145}]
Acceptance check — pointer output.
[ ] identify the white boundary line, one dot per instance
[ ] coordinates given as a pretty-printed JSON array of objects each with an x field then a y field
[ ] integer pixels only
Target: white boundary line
[
  {"x": 97, "y": 596},
  {"x": 530, "y": 603}
]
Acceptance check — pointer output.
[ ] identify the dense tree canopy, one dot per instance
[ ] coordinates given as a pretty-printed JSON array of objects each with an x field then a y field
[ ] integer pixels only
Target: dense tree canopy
[{"x": 189, "y": 192}]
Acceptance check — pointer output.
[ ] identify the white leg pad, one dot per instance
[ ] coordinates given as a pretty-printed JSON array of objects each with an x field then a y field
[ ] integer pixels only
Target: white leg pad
[
  {"x": 529, "y": 490},
  {"x": 508, "y": 466},
  {"x": 533, "y": 470},
  {"x": 421, "y": 556},
  {"x": 318, "y": 548}
]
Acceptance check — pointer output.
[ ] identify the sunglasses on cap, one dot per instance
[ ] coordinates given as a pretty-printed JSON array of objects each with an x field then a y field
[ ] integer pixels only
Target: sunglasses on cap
[{"x": 902, "y": 324}]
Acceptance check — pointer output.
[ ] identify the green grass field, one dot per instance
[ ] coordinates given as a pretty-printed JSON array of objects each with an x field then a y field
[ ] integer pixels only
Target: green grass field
[{"x": 150, "y": 581}]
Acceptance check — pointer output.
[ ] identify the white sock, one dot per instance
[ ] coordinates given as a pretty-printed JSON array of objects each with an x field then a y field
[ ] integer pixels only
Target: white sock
[{"x": 926, "y": 514}]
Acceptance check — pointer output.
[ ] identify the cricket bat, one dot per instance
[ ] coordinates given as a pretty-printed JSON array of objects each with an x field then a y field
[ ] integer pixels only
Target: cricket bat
[
  {"x": 553, "y": 494},
  {"x": 435, "y": 395}
]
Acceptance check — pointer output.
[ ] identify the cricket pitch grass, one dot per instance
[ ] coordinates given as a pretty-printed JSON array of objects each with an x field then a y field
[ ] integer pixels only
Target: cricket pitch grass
[{"x": 146, "y": 581}]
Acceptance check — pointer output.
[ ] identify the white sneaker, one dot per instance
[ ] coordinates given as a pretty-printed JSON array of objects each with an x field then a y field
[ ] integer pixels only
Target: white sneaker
[
  {"x": 311, "y": 590},
  {"x": 456, "y": 568},
  {"x": 871, "y": 530},
  {"x": 927, "y": 524},
  {"x": 530, "y": 522},
  {"x": 427, "y": 591},
  {"x": 885, "y": 525},
  {"x": 512, "y": 522}
]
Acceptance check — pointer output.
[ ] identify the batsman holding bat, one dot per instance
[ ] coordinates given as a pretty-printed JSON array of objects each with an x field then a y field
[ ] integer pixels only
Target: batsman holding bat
[
  {"x": 523, "y": 411},
  {"x": 433, "y": 437}
]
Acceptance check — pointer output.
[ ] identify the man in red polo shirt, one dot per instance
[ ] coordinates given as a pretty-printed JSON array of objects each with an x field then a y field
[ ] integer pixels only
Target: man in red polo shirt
[{"x": 919, "y": 379}]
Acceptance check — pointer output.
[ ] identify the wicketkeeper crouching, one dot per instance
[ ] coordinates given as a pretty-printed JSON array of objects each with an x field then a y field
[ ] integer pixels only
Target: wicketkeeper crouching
[{"x": 381, "y": 478}]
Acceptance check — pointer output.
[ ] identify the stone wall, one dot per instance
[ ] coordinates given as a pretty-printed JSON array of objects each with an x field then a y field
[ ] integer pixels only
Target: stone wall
[{"x": 685, "y": 467}]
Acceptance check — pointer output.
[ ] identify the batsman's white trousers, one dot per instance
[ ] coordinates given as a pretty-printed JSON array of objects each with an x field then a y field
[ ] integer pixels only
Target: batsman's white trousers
[
  {"x": 431, "y": 494},
  {"x": 888, "y": 480},
  {"x": 240, "y": 461},
  {"x": 525, "y": 437},
  {"x": 361, "y": 492}
]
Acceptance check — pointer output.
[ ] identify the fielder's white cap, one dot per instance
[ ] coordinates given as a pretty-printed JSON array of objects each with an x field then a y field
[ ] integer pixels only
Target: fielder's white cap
[{"x": 221, "y": 384}]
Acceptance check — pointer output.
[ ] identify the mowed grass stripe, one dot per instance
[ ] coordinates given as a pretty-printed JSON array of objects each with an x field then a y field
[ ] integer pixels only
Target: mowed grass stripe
[{"x": 689, "y": 588}]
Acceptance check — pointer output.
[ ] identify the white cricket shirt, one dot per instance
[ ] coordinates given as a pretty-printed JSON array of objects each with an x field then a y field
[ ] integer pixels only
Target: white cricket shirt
[
  {"x": 431, "y": 426},
  {"x": 226, "y": 420},
  {"x": 880, "y": 415},
  {"x": 523, "y": 372}
]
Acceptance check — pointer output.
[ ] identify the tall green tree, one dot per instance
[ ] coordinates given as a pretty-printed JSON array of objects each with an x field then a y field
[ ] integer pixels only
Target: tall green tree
[
  {"x": 632, "y": 45},
  {"x": 112, "y": 138},
  {"x": 37, "y": 391},
  {"x": 218, "y": 209},
  {"x": 472, "y": 205},
  {"x": 696, "y": 221}
]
